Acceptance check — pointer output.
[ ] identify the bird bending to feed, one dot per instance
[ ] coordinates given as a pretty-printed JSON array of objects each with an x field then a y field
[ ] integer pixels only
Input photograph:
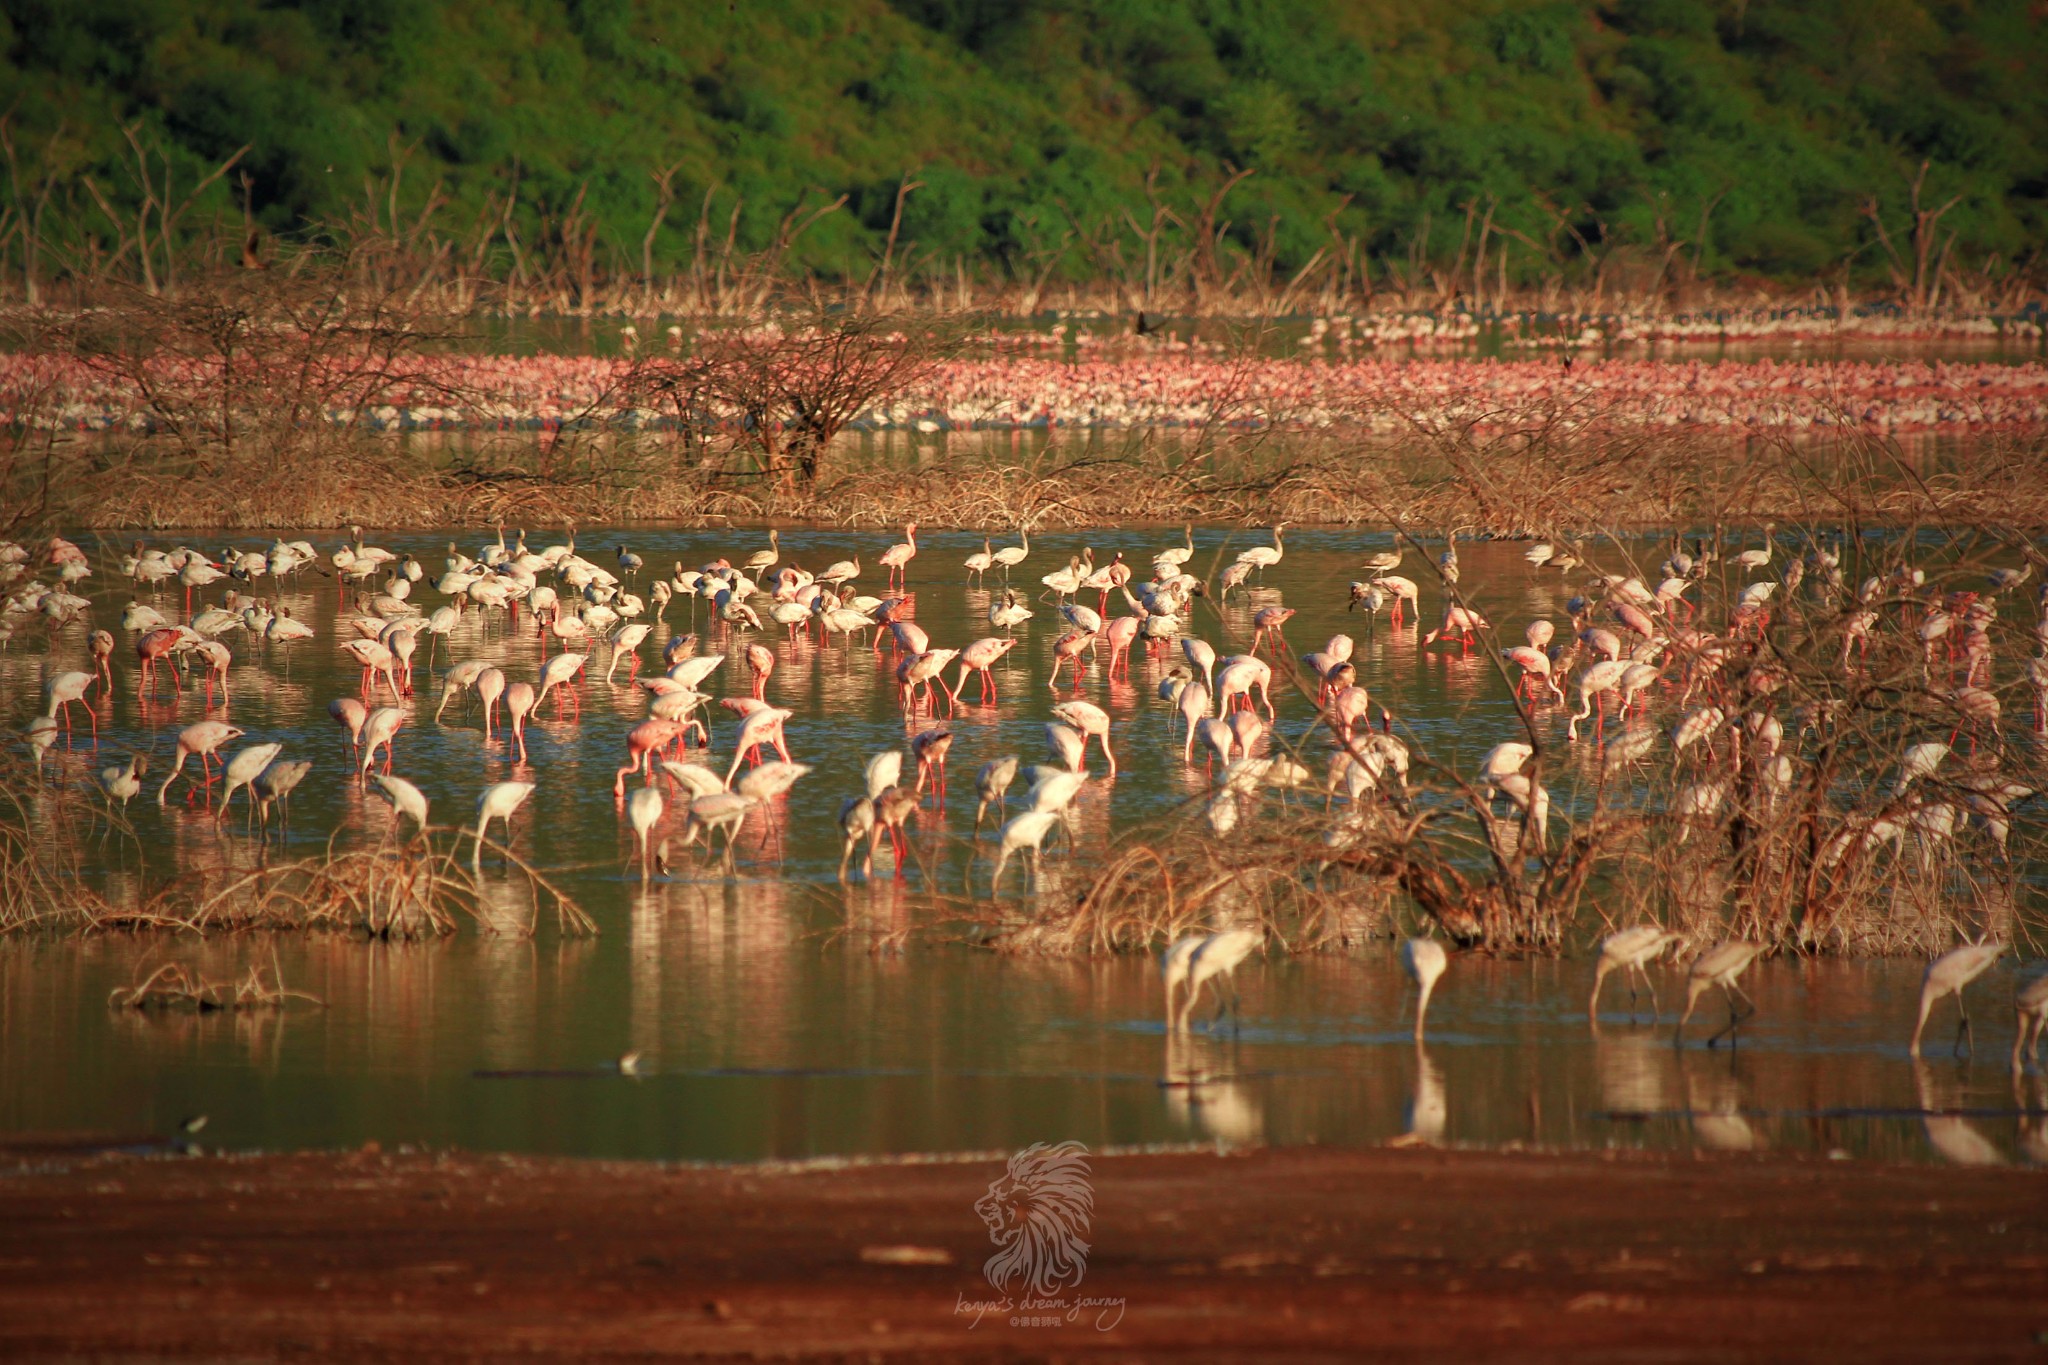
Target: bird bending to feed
[
  {"x": 1628, "y": 950},
  {"x": 1947, "y": 975},
  {"x": 498, "y": 802},
  {"x": 1424, "y": 960},
  {"x": 1216, "y": 959},
  {"x": 1719, "y": 965},
  {"x": 2030, "y": 1010}
]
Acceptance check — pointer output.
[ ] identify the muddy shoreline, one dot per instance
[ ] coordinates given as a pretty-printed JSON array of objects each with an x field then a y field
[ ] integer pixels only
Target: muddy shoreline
[{"x": 1308, "y": 1253}]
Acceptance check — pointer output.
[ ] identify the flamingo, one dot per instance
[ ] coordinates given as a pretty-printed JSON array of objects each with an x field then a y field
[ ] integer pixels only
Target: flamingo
[
  {"x": 1068, "y": 649},
  {"x": 242, "y": 770},
  {"x": 930, "y": 747},
  {"x": 498, "y": 802},
  {"x": 1627, "y": 950},
  {"x": 1536, "y": 670},
  {"x": 2030, "y": 1010},
  {"x": 1201, "y": 654},
  {"x": 559, "y": 669},
  {"x": 1066, "y": 744},
  {"x": 893, "y": 809},
  {"x": 406, "y": 800},
  {"x": 1460, "y": 623},
  {"x": 1239, "y": 678},
  {"x": 1406, "y": 593},
  {"x": 1089, "y": 720},
  {"x": 101, "y": 644},
  {"x": 519, "y": 704},
  {"x": 1424, "y": 960},
  {"x": 624, "y": 644},
  {"x": 123, "y": 782},
  {"x": 1026, "y": 834},
  {"x": 64, "y": 689},
  {"x": 1595, "y": 682},
  {"x": 1174, "y": 556},
  {"x": 1010, "y": 556},
  {"x": 642, "y": 741},
  {"x": 896, "y": 559},
  {"x": 274, "y": 786},
  {"x": 374, "y": 658},
  {"x": 1173, "y": 968},
  {"x": 1749, "y": 561},
  {"x": 762, "y": 727},
  {"x": 1263, "y": 557},
  {"x": 490, "y": 685},
  {"x": 992, "y": 786},
  {"x": 980, "y": 657},
  {"x": 761, "y": 662},
  {"x": 379, "y": 729},
  {"x": 1267, "y": 622},
  {"x": 204, "y": 739},
  {"x": 1217, "y": 960},
  {"x": 153, "y": 647},
  {"x": 762, "y": 560},
  {"x": 1719, "y": 965},
  {"x": 979, "y": 562},
  {"x": 857, "y": 826},
  {"x": 1947, "y": 975},
  {"x": 643, "y": 812}
]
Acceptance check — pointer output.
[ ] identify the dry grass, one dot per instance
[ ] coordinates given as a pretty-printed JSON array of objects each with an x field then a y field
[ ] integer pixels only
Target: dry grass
[
  {"x": 51, "y": 839},
  {"x": 171, "y": 988}
]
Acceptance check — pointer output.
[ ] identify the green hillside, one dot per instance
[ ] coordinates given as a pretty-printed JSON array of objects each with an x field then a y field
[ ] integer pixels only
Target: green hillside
[{"x": 1033, "y": 124}]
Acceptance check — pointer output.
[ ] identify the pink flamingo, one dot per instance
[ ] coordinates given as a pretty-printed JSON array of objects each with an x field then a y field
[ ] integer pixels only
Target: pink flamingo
[
  {"x": 642, "y": 741},
  {"x": 1268, "y": 621},
  {"x": 930, "y": 747},
  {"x": 490, "y": 685},
  {"x": 156, "y": 645},
  {"x": 1535, "y": 665},
  {"x": 66, "y": 688},
  {"x": 102, "y": 644},
  {"x": 761, "y": 660},
  {"x": 374, "y": 659},
  {"x": 349, "y": 714},
  {"x": 519, "y": 704},
  {"x": 1238, "y": 679},
  {"x": 1090, "y": 720},
  {"x": 203, "y": 739},
  {"x": 1069, "y": 648},
  {"x": 980, "y": 657},
  {"x": 761, "y": 728},
  {"x": 896, "y": 559},
  {"x": 1121, "y": 634}
]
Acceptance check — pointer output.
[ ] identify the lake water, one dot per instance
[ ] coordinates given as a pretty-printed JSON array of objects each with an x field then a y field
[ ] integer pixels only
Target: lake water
[{"x": 781, "y": 1014}]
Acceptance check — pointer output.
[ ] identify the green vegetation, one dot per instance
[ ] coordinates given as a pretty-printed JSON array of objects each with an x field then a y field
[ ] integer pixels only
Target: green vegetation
[{"x": 1672, "y": 138}]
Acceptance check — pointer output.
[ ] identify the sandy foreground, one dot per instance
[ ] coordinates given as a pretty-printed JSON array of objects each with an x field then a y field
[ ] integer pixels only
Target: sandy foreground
[{"x": 1306, "y": 1253}]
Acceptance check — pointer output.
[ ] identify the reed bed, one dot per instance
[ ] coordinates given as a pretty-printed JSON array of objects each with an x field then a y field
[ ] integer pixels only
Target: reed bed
[
  {"x": 50, "y": 838},
  {"x": 171, "y": 988}
]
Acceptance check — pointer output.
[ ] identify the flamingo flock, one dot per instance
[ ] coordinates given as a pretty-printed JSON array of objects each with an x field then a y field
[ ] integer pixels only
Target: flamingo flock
[
  {"x": 1628, "y": 650},
  {"x": 1154, "y": 389}
]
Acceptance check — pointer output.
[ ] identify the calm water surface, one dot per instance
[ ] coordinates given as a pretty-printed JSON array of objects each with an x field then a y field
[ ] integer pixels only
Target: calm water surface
[{"x": 780, "y": 1015}]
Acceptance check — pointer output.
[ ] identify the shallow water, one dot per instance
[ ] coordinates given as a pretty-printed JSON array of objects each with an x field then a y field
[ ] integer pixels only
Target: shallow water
[{"x": 768, "y": 1029}]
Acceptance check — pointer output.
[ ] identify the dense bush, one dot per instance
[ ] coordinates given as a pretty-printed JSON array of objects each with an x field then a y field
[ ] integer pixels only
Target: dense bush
[{"x": 1619, "y": 120}]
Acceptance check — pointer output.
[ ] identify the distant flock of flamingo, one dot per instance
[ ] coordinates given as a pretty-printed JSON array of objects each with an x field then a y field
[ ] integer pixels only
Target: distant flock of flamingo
[{"x": 1172, "y": 389}]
